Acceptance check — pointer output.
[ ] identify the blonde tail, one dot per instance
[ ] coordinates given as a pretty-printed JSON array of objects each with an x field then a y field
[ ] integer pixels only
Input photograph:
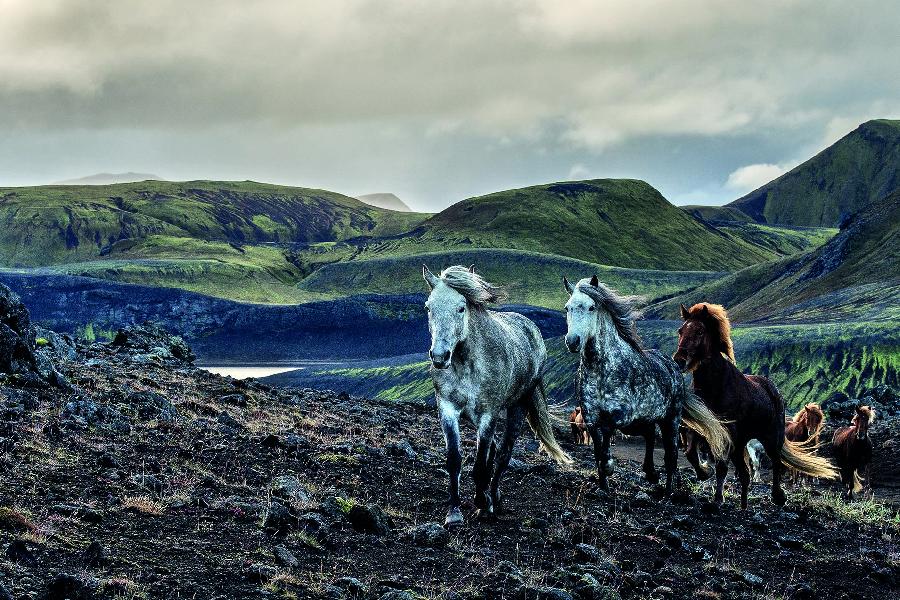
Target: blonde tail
[
  {"x": 697, "y": 417},
  {"x": 857, "y": 483},
  {"x": 538, "y": 417},
  {"x": 798, "y": 456}
]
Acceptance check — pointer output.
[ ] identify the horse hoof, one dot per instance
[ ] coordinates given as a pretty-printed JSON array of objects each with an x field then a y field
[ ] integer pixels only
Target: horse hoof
[
  {"x": 778, "y": 497},
  {"x": 652, "y": 477},
  {"x": 454, "y": 518},
  {"x": 703, "y": 474}
]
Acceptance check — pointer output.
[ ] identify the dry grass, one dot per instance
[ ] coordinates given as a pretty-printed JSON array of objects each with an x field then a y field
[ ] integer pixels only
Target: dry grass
[
  {"x": 13, "y": 519},
  {"x": 143, "y": 504}
]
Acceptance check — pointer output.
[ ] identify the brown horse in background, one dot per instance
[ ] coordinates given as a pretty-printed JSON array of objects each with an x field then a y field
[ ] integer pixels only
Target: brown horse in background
[
  {"x": 579, "y": 427},
  {"x": 853, "y": 450},
  {"x": 750, "y": 405},
  {"x": 805, "y": 428}
]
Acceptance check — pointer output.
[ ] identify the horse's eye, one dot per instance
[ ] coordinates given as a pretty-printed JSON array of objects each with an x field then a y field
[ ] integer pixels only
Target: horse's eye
[
  {"x": 462, "y": 309},
  {"x": 591, "y": 308}
]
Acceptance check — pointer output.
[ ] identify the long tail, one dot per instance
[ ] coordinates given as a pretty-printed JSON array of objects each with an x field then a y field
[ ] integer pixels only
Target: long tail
[
  {"x": 699, "y": 418},
  {"x": 539, "y": 420},
  {"x": 799, "y": 457},
  {"x": 857, "y": 483}
]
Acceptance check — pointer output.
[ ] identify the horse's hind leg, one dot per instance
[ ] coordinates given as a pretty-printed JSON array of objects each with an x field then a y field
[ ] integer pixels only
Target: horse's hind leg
[
  {"x": 743, "y": 473},
  {"x": 721, "y": 473},
  {"x": 450, "y": 426},
  {"x": 670, "y": 445},
  {"x": 649, "y": 443},
  {"x": 481, "y": 470},
  {"x": 515, "y": 417},
  {"x": 773, "y": 445},
  {"x": 692, "y": 453},
  {"x": 601, "y": 439}
]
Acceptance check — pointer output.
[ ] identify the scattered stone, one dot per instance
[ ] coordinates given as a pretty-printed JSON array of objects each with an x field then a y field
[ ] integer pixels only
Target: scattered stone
[
  {"x": 751, "y": 579},
  {"x": 369, "y": 518},
  {"x": 258, "y": 573},
  {"x": 228, "y": 421},
  {"x": 70, "y": 587},
  {"x": 352, "y": 586},
  {"x": 279, "y": 517},
  {"x": 402, "y": 449},
  {"x": 587, "y": 553},
  {"x": 153, "y": 340},
  {"x": 397, "y": 595},
  {"x": 18, "y": 552},
  {"x": 547, "y": 593},
  {"x": 285, "y": 557},
  {"x": 94, "y": 555},
  {"x": 152, "y": 406},
  {"x": 431, "y": 535},
  {"x": 289, "y": 488}
]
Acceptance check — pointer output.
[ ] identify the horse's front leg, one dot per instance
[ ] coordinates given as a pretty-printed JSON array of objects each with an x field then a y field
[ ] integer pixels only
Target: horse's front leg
[
  {"x": 602, "y": 437},
  {"x": 484, "y": 463},
  {"x": 649, "y": 445},
  {"x": 515, "y": 417},
  {"x": 670, "y": 445},
  {"x": 450, "y": 426},
  {"x": 703, "y": 470}
]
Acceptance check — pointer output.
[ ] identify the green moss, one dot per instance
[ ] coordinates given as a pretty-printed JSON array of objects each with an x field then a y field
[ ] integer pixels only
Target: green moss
[{"x": 41, "y": 341}]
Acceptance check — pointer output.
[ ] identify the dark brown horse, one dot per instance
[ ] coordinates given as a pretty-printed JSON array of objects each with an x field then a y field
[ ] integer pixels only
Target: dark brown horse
[
  {"x": 749, "y": 405},
  {"x": 853, "y": 450},
  {"x": 579, "y": 427}
]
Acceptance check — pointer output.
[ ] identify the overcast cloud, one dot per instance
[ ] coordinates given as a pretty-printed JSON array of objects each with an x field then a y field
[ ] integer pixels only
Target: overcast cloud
[{"x": 436, "y": 101}]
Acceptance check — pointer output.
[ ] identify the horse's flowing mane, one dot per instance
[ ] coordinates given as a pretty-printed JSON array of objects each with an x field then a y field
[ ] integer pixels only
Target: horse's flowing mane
[
  {"x": 622, "y": 309},
  {"x": 716, "y": 317},
  {"x": 475, "y": 289}
]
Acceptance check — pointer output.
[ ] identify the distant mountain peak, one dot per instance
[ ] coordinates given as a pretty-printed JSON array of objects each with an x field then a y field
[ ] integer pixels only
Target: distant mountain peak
[
  {"x": 860, "y": 168},
  {"x": 385, "y": 200},
  {"x": 111, "y": 178}
]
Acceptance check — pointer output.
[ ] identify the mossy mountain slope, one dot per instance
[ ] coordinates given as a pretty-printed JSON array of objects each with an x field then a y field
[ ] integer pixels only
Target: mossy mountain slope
[
  {"x": 855, "y": 274},
  {"x": 622, "y": 222},
  {"x": 54, "y": 224},
  {"x": 860, "y": 168}
]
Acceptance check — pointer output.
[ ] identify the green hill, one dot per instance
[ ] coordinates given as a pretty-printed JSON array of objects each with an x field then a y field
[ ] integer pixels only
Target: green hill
[
  {"x": 63, "y": 223},
  {"x": 620, "y": 222},
  {"x": 855, "y": 275},
  {"x": 529, "y": 277},
  {"x": 858, "y": 169},
  {"x": 715, "y": 213}
]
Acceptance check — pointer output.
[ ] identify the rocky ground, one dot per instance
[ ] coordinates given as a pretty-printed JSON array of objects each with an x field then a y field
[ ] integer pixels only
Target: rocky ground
[{"x": 128, "y": 473}]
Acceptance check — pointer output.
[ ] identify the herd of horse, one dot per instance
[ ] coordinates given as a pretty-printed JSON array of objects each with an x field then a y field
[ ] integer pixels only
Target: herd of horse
[{"x": 487, "y": 364}]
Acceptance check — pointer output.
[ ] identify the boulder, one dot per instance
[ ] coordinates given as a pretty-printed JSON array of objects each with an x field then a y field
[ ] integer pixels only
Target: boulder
[{"x": 152, "y": 341}]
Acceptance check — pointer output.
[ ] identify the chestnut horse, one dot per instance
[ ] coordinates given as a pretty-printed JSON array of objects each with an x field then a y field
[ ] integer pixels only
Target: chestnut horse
[
  {"x": 750, "y": 406},
  {"x": 853, "y": 450},
  {"x": 805, "y": 428},
  {"x": 579, "y": 427}
]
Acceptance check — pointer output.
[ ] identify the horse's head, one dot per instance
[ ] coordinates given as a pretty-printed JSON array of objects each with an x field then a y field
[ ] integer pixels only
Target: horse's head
[
  {"x": 581, "y": 315},
  {"x": 694, "y": 342},
  {"x": 448, "y": 318},
  {"x": 864, "y": 417},
  {"x": 814, "y": 417}
]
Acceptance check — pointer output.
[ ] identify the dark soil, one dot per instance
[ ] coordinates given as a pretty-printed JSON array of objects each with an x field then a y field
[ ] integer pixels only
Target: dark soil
[{"x": 151, "y": 478}]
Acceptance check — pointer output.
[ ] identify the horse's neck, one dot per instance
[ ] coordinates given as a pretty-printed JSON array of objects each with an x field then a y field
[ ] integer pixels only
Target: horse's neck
[
  {"x": 711, "y": 376},
  {"x": 482, "y": 327},
  {"x": 607, "y": 351}
]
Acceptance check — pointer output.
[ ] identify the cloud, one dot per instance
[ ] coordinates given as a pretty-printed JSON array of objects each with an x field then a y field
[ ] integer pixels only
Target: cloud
[
  {"x": 588, "y": 77},
  {"x": 751, "y": 177}
]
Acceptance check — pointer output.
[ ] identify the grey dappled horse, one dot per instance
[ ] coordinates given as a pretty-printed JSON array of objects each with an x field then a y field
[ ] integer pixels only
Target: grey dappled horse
[
  {"x": 621, "y": 386},
  {"x": 483, "y": 363}
]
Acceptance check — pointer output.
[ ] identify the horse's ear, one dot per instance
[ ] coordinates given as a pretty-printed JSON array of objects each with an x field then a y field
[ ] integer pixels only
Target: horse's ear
[
  {"x": 429, "y": 277},
  {"x": 569, "y": 287},
  {"x": 472, "y": 268},
  {"x": 594, "y": 281},
  {"x": 685, "y": 315},
  {"x": 705, "y": 310}
]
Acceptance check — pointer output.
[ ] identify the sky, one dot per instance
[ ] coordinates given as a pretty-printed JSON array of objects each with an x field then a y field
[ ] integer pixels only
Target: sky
[{"x": 438, "y": 101}]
